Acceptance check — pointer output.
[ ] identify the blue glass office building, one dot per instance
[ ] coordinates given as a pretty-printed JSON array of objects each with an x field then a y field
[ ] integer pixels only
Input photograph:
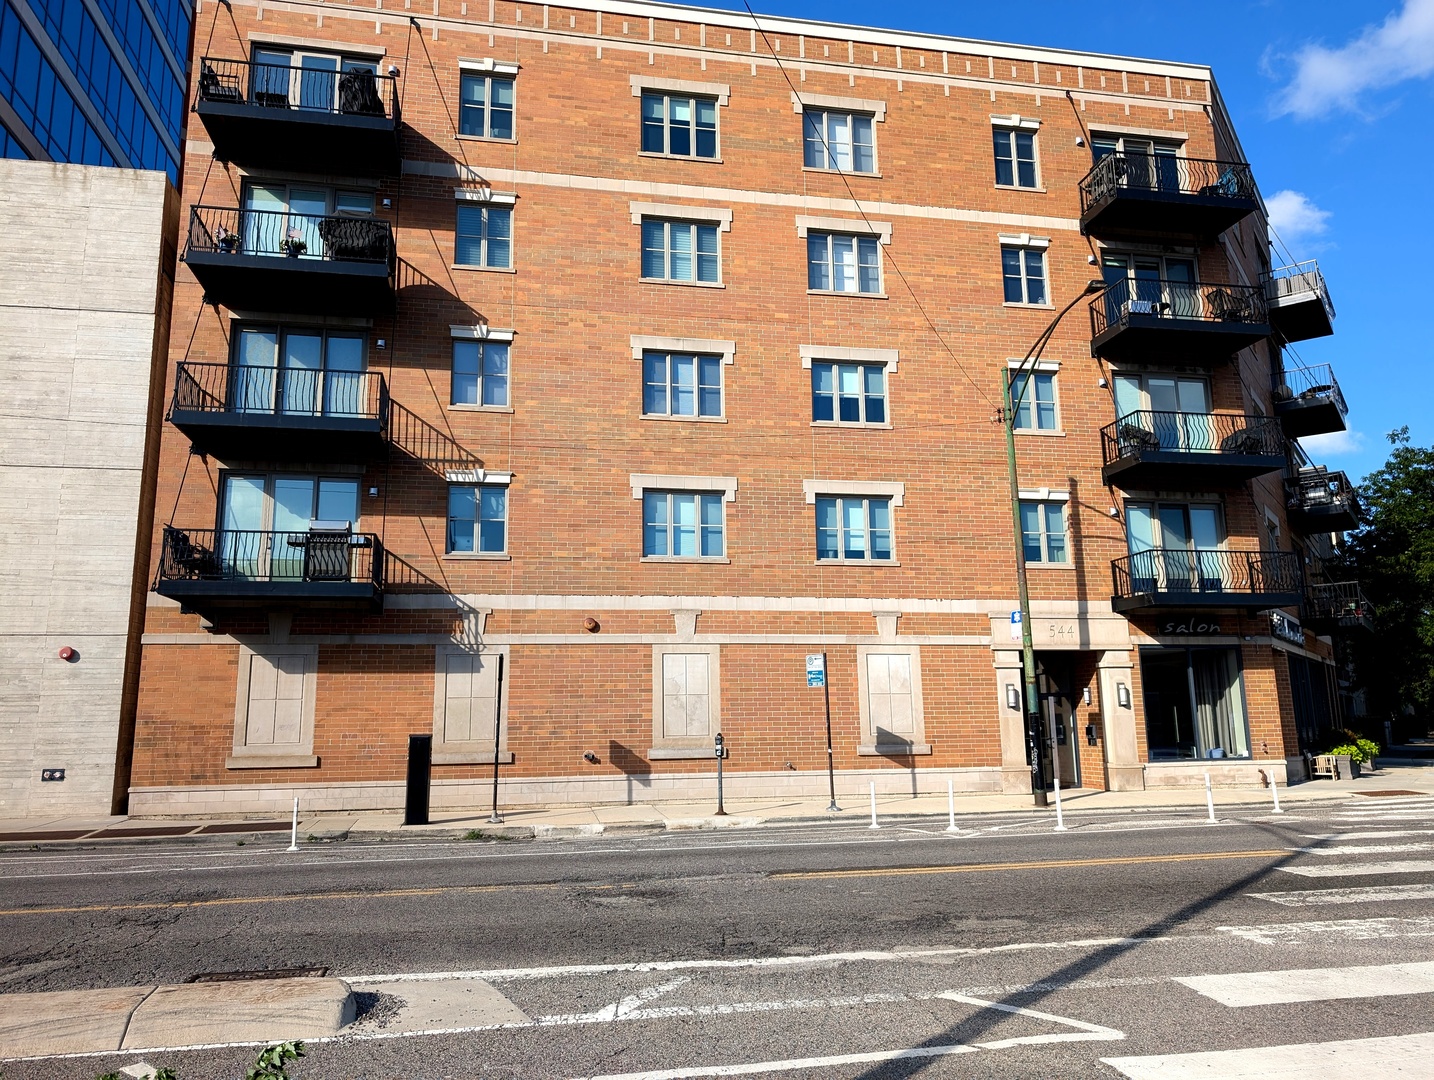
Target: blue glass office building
[{"x": 95, "y": 82}]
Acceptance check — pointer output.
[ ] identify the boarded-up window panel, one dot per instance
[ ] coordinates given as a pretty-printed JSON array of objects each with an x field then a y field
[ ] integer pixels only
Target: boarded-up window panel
[
  {"x": 686, "y": 709},
  {"x": 889, "y": 690},
  {"x": 471, "y": 699},
  {"x": 276, "y": 700}
]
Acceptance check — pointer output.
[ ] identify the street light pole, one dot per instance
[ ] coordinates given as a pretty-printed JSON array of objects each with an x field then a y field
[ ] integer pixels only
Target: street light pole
[{"x": 1028, "y": 650}]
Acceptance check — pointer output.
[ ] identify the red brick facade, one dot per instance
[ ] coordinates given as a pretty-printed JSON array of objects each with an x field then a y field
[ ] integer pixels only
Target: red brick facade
[{"x": 573, "y": 435}]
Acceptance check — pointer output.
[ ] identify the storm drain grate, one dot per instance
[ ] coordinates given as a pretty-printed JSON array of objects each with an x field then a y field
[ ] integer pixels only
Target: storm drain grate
[
  {"x": 265, "y": 973},
  {"x": 1396, "y": 791}
]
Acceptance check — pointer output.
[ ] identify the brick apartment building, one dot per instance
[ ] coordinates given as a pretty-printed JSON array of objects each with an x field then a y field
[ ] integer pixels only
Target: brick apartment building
[{"x": 637, "y": 351}]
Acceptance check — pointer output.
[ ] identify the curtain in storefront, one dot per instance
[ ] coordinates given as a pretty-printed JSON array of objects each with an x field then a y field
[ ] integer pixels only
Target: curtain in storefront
[{"x": 1219, "y": 714}]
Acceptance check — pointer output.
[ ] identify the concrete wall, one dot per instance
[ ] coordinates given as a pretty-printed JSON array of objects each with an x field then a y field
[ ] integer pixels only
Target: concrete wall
[{"x": 82, "y": 291}]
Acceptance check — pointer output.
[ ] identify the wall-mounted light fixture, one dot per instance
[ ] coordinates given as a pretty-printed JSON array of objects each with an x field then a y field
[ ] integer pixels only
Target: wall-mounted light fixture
[
  {"x": 1085, "y": 695},
  {"x": 1013, "y": 697},
  {"x": 1122, "y": 695}
]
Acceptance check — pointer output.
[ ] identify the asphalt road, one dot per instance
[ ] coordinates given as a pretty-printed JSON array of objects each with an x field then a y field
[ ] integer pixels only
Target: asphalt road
[{"x": 827, "y": 950}]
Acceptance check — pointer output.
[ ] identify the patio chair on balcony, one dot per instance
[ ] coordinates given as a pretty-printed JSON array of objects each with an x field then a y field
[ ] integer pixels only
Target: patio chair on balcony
[
  {"x": 189, "y": 559},
  {"x": 360, "y": 238},
  {"x": 218, "y": 88},
  {"x": 1227, "y": 307},
  {"x": 358, "y": 94},
  {"x": 1135, "y": 439},
  {"x": 1242, "y": 442}
]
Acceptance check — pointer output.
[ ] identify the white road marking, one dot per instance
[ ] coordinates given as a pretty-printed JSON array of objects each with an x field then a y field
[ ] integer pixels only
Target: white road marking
[
  {"x": 1084, "y": 1033},
  {"x": 1364, "y": 849},
  {"x": 1368, "y": 895},
  {"x": 1406, "y": 866},
  {"x": 626, "y": 1009},
  {"x": 1241, "y": 990},
  {"x": 1345, "y": 929},
  {"x": 1373, "y": 834},
  {"x": 1351, "y": 1059}
]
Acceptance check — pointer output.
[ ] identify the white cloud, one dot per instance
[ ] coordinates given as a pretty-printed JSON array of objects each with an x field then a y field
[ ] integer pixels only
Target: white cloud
[
  {"x": 1334, "y": 444},
  {"x": 1294, "y": 217},
  {"x": 1399, "y": 48}
]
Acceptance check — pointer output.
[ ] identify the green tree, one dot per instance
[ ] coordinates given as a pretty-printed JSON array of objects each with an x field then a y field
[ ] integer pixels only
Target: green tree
[{"x": 1393, "y": 556}]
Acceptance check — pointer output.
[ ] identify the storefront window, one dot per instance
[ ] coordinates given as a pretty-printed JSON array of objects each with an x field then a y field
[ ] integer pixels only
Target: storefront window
[{"x": 1194, "y": 704}]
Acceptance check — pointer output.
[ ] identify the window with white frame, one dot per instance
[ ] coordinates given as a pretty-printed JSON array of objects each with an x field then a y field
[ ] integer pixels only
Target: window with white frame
[
  {"x": 679, "y": 125},
  {"x": 683, "y": 524},
  {"x": 1023, "y": 273},
  {"x": 1043, "y": 531},
  {"x": 839, "y": 262},
  {"x": 854, "y": 528},
  {"x": 467, "y": 705},
  {"x": 484, "y": 235},
  {"x": 485, "y": 105},
  {"x": 686, "y": 700},
  {"x": 1015, "y": 151},
  {"x": 1033, "y": 396},
  {"x": 680, "y": 251},
  {"x": 892, "y": 713},
  {"x": 477, "y": 519},
  {"x": 834, "y": 139},
  {"x": 480, "y": 373},
  {"x": 681, "y": 384},
  {"x": 274, "y": 708},
  {"x": 848, "y": 393}
]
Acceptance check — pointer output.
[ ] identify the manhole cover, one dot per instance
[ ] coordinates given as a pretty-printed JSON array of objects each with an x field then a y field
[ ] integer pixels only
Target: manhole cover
[
  {"x": 267, "y": 973},
  {"x": 1377, "y": 794}
]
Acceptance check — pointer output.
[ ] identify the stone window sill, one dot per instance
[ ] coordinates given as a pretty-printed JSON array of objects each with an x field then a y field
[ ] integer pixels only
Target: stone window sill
[
  {"x": 457, "y": 406},
  {"x": 681, "y": 753},
  {"x": 272, "y": 761},
  {"x": 895, "y": 750},
  {"x": 484, "y": 269},
  {"x": 471, "y": 757}
]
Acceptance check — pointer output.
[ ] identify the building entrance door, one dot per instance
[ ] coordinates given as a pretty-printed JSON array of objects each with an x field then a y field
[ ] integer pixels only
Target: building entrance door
[{"x": 1058, "y": 749}]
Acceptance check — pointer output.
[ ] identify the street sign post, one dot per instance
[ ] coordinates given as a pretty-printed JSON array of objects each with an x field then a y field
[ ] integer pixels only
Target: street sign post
[{"x": 817, "y": 676}]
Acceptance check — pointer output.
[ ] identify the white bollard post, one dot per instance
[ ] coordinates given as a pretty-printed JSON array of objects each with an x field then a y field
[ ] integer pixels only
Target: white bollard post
[
  {"x": 951, "y": 807},
  {"x": 1275, "y": 793},
  {"x": 294, "y": 832},
  {"x": 1209, "y": 800},
  {"x": 873, "y": 824},
  {"x": 1060, "y": 818}
]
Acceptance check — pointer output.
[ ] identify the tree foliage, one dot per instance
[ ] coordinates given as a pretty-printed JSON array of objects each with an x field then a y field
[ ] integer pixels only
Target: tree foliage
[{"x": 1393, "y": 555}]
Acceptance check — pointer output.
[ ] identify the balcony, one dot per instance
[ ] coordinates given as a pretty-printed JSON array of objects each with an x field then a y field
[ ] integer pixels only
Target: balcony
[
  {"x": 296, "y": 414},
  {"x": 1308, "y": 401},
  {"x": 1299, "y": 302},
  {"x": 281, "y": 117},
  {"x": 271, "y": 260},
  {"x": 210, "y": 569},
  {"x": 1320, "y": 501},
  {"x": 1178, "y": 578},
  {"x": 1339, "y": 605},
  {"x": 1186, "y": 451},
  {"x": 1178, "y": 322},
  {"x": 1143, "y": 195}
]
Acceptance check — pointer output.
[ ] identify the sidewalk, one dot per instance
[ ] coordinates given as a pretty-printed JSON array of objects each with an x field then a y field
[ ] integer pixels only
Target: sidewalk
[{"x": 1394, "y": 775}]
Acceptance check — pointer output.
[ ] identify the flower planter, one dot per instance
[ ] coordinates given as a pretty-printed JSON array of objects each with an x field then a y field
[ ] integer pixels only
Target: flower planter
[{"x": 1346, "y": 768}]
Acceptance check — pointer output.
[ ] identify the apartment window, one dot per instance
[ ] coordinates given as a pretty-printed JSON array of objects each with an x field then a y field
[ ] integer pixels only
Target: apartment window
[
  {"x": 274, "y": 709},
  {"x": 892, "y": 713},
  {"x": 480, "y": 373},
  {"x": 485, "y": 106},
  {"x": 680, "y": 524},
  {"x": 853, "y": 528},
  {"x": 1023, "y": 274},
  {"x": 467, "y": 705},
  {"x": 484, "y": 236},
  {"x": 841, "y": 263},
  {"x": 679, "y": 126},
  {"x": 848, "y": 393},
  {"x": 838, "y": 140},
  {"x": 681, "y": 384},
  {"x": 1034, "y": 395},
  {"x": 1043, "y": 532},
  {"x": 1149, "y": 164},
  {"x": 477, "y": 519},
  {"x": 1015, "y": 157},
  {"x": 680, "y": 251},
  {"x": 300, "y": 371},
  {"x": 308, "y": 80}
]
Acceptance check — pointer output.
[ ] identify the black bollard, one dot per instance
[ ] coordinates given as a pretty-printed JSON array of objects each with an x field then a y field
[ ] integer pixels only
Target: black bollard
[{"x": 420, "y": 767}]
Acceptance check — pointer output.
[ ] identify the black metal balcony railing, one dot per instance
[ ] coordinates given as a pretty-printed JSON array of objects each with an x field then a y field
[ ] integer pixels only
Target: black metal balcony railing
[
  {"x": 226, "y": 230},
  {"x": 1319, "y": 499},
  {"x": 1166, "y": 173},
  {"x": 280, "y": 86},
  {"x": 1338, "y": 604},
  {"x": 1308, "y": 401},
  {"x": 243, "y": 556},
  {"x": 1180, "y": 577},
  {"x": 294, "y": 393},
  {"x": 1177, "y": 301},
  {"x": 1215, "y": 434}
]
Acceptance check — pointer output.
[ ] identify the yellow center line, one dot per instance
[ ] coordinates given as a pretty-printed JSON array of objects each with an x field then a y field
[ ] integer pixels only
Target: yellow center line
[
  {"x": 229, "y": 900},
  {"x": 1046, "y": 864}
]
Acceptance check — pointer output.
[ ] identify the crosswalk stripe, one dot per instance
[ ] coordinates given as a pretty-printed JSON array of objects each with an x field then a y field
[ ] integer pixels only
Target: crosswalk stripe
[
  {"x": 1381, "y": 834},
  {"x": 1244, "y": 989},
  {"x": 1349, "y": 1059},
  {"x": 1366, "y": 895},
  {"x": 1405, "y": 866},
  {"x": 1364, "y": 849}
]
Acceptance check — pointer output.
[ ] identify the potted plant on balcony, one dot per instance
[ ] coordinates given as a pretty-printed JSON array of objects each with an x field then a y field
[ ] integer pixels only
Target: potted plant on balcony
[
  {"x": 226, "y": 241},
  {"x": 293, "y": 244}
]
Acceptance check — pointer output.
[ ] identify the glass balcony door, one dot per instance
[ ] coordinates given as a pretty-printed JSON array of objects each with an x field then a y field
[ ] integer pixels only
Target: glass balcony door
[
  {"x": 1174, "y": 547},
  {"x": 265, "y": 521},
  {"x": 1150, "y": 285},
  {"x": 1176, "y": 410},
  {"x": 299, "y": 372}
]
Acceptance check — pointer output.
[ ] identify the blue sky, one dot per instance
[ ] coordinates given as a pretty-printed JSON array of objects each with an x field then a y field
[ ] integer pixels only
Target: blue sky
[{"x": 1332, "y": 102}]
